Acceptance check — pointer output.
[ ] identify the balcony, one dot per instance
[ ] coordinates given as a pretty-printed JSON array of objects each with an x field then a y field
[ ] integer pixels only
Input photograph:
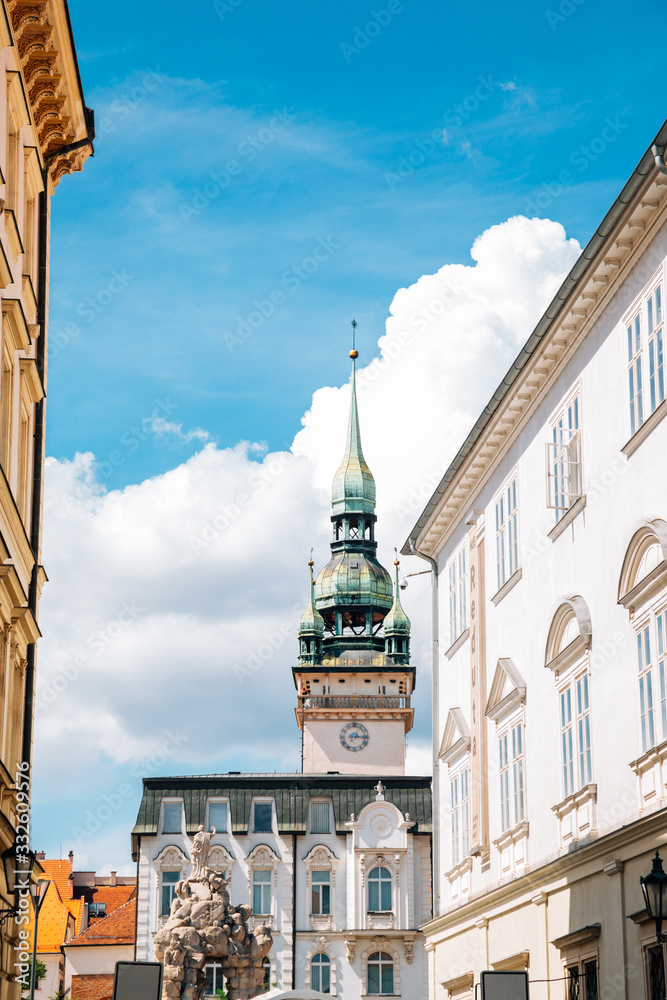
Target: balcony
[{"x": 368, "y": 702}]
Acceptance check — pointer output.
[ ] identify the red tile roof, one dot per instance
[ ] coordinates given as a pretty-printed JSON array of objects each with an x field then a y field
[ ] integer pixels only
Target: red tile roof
[
  {"x": 117, "y": 928},
  {"x": 113, "y": 895},
  {"x": 59, "y": 915}
]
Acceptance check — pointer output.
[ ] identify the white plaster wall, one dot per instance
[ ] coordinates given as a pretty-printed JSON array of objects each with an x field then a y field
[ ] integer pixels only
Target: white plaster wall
[
  {"x": 585, "y": 559},
  {"x": 383, "y": 754},
  {"x": 92, "y": 960}
]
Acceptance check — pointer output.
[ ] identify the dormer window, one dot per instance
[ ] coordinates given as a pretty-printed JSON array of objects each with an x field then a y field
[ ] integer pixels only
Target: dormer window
[
  {"x": 172, "y": 817},
  {"x": 217, "y": 816},
  {"x": 320, "y": 817},
  {"x": 262, "y": 817}
]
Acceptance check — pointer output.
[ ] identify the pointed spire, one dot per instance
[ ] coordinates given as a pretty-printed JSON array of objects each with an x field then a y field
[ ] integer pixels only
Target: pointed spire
[
  {"x": 397, "y": 620},
  {"x": 353, "y": 485},
  {"x": 311, "y": 620}
]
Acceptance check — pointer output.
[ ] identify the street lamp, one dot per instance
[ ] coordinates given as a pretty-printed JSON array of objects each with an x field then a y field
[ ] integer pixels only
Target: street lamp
[
  {"x": 654, "y": 887},
  {"x": 17, "y": 867},
  {"x": 38, "y": 891}
]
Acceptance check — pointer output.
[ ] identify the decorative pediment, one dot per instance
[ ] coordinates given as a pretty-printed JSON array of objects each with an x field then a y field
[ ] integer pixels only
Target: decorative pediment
[
  {"x": 570, "y": 634},
  {"x": 171, "y": 858},
  {"x": 456, "y": 737},
  {"x": 262, "y": 856},
  {"x": 644, "y": 571},
  {"x": 508, "y": 690},
  {"x": 320, "y": 857},
  {"x": 220, "y": 860}
]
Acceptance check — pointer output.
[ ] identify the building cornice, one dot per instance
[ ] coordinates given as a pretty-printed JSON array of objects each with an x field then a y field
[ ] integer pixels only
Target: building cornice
[
  {"x": 41, "y": 34},
  {"x": 626, "y": 230}
]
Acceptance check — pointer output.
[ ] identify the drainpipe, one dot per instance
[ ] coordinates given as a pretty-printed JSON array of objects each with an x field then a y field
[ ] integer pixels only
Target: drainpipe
[{"x": 436, "y": 723}]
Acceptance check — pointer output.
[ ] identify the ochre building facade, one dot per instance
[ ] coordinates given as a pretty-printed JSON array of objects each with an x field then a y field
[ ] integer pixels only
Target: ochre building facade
[{"x": 46, "y": 131}]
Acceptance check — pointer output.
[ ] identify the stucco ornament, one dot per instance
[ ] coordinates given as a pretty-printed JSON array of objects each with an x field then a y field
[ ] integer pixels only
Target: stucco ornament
[
  {"x": 204, "y": 927},
  {"x": 381, "y": 826}
]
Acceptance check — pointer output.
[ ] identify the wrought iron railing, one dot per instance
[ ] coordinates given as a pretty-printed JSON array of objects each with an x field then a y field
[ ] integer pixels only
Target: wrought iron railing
[{"x": 369, "y": 701}]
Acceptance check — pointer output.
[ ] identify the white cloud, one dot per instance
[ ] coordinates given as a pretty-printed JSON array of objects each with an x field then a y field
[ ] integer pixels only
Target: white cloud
[
  {"x": 161, "y": 428},
  {"x": 170, "y": 620}
]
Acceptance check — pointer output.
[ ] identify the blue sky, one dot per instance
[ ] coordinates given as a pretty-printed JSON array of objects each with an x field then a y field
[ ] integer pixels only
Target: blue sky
[
  {"x": 265, "y": 171},
  {"x": 151, "y": 278}
]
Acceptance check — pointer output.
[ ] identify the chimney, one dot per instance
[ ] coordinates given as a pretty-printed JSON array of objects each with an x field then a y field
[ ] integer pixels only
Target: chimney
[
  {"x": 71, "y": 860},
  {"x": 112, "y": 878},
  {"x": 41, "y": 856}
]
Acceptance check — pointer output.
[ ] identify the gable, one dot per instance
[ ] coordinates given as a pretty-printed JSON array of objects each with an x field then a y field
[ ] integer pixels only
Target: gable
[
  {"x": 508, "y": 690},
  {"x": 456, "y": 737}
]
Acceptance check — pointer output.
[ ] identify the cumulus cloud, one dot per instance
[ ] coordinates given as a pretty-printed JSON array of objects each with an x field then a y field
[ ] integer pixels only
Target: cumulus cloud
[{"x": 170, "y": 619}]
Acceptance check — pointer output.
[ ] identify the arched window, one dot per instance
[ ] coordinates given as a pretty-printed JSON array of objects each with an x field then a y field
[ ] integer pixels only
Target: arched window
[
  {"x": 320, "y": 973},
  {"x": 643, "y": 592},
  {"x": 380, "y": 974},
  {"x": 379, "y": 890}
]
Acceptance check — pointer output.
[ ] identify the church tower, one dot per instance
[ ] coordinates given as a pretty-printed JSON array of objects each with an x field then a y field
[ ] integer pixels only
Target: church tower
[{"x": 354, "y": 681}]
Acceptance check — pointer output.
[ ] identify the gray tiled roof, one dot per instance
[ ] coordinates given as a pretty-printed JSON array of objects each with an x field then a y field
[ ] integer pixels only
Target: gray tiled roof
[{"x": 292, "y": 792}]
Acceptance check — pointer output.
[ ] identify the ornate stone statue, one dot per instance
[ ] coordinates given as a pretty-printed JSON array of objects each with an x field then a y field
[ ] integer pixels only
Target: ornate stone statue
[
  {"x": 204, "y": 927},
  {"x": 200, "y": 850}
]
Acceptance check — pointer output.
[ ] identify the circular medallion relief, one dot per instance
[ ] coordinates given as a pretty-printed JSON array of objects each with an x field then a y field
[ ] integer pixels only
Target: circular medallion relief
[{"x": 381, "y": 826}]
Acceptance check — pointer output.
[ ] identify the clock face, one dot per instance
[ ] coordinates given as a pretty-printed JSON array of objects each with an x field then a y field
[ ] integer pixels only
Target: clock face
[{"x": 354, "y": 736}]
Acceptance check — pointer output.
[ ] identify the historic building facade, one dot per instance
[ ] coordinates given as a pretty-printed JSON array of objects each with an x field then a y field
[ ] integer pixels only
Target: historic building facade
[
  {"x": 548, "y": 536},
  {"x": 46, "y": 131},
  {"x": 336, "y": 859}
]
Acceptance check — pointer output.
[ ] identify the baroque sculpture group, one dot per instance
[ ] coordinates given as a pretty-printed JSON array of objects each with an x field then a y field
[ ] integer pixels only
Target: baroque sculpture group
[{"x": 204, "y": 926}]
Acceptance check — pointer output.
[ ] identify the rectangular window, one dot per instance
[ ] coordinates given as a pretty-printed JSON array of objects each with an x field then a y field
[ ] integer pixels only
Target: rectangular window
[
  {"x": 564, "y": 479},
  {"x": 567, "y": 741},
  {"x": 591, "y": 980},
  {"x": 319, "y": 817},
  {"x": 263, "y": 817},
  {"x": 573, "y": 985},
  {"x": 261, "y": 891},
  {"x": 645, "y": 333},
  {"x": 661, "y": 624},
  {"x": 575, "y": 726},
  {"x": 512, "y": 809},
  {"x": 169, "y": 880},
  {"x": 634, "y": 333},
  {"x": 214, "y": 978},
  {"x": 507, "y": 549},
  {"x": 656, "y": 972},
  {"x": 320, "y": 896},
  {"x": 655, "y": 330},
  {"x": 172, "y": 813},
  {"x": 458, "y": 596},
  {"x": 583, "y": 731},
  {"x": 460, "y": 801},
  {"x": 100, "y": 909},
  {"x": 645, "y": 664},
  {"x": 217, "y": 816}
]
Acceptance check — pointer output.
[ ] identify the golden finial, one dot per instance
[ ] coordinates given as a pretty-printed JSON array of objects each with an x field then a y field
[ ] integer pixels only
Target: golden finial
[{"x": 354, "y": 353}]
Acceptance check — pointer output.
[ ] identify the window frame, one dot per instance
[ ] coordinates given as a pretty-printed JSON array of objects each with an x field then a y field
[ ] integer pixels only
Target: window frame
[
  {"x": 507, "y": 533},
  {"x": 515, "y": 812},
  {"x": 209, "y": 822},
  {"x": 382, "y": 884},
  {"x": 381, "y": 963},
  {"x": 263, "y": 885},
  {"x": 574, "y": 682},
  {"x": 217, "y": 974},
  {"x": 562, "y": 452},
  {"x": 457, "y": 569},
  {"x": 318, "y": 967},
  {"x": 460, "y": 810},
  {"x": 320, "y": 802},
  {"x": 172, "y": 885},
  {"x": 317, "y": 887},
  {"x": 652, "y": 623},
  {"x": 644, "y": 350},
  {"x": 171, "y": 802},
  {"x": 253, "y": 819}
]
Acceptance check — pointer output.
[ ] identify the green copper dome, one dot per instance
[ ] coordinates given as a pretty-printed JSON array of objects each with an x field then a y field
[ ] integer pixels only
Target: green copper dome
[
  {"x": 397, "y": 620},
  {"x": 353, "y": 578},
  {"x": 311, "y": 620},
  {"x": 353, "y": 485}
]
